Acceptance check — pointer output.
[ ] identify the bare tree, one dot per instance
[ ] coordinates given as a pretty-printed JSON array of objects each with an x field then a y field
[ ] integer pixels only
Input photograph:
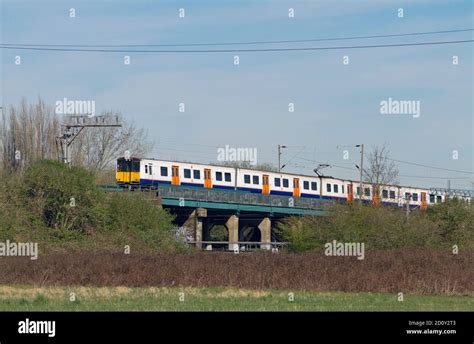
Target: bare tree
[
  {"x": 29, "y": 133},
  {"x": 380, "y": 169}
]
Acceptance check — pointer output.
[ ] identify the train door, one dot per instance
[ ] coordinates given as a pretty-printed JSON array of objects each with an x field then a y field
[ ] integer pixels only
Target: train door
[
  {"x": 127, "y": 171},
  {"x": 423, "y": 200},
  {"x": 296, "y": 187},
  {"x": 175, "y": 175},
  {"x": 207, "y": 178},
  {"x": 266, "y": 185},
  {"x": 376, "y": 197},
  {"x": 350, "y": 194}
]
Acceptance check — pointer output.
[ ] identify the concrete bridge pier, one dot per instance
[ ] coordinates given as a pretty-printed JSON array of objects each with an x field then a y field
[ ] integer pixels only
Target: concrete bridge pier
[
  {"x": 197, "y": 220},
  {"x": 265, "y": 227},
  {"x": 250, "y": 228},
  {"x": 232, "y": 226}
]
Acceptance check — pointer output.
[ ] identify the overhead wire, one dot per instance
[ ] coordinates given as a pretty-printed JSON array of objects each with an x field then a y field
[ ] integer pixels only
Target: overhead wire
[
  {"x": 320, "y": 39},
  {"x": 16, "y": 47}
]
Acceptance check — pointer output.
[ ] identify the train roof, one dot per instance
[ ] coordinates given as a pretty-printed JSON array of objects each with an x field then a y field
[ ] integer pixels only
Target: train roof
[{"x": 240, "y": 168}]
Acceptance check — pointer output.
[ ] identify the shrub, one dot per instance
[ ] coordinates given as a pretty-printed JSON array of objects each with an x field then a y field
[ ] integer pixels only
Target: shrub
[
  {"x": 132, "y": 216},
  {"x": 219, "y": 233},
  {"x": 65, "y": 197},
  {"x": 62, "y": 208},
  {"x": 455, "y": 220},
  {"x": 382, "y": 227}
]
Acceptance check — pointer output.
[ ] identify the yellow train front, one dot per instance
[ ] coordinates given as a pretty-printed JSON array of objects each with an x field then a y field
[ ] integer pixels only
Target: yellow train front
[{"x": 128, "y": 172}]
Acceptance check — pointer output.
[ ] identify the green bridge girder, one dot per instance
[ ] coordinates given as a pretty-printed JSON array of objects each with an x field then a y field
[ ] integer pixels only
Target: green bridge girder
[
  {"x": 238, "y": 201},
  {"x": 241, "y": 207}
]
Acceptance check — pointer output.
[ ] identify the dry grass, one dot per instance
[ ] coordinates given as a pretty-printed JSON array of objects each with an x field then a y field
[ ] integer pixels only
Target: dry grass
[
  {"x": 421, "y": 272},
  {"x": 57, "y": 292}
]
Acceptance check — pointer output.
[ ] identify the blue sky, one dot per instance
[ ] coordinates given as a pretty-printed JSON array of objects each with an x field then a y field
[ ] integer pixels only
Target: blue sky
[{"x": 336, "y": 106}]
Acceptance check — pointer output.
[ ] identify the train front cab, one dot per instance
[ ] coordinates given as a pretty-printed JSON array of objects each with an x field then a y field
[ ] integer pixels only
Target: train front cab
[{"x": 128, "y": 172}]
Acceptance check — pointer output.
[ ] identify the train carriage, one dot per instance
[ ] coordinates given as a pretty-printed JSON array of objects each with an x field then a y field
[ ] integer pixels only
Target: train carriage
[
  {"x": 154, "y": 172},
  {"x": 277, "y": 183},
  {"x": 335, "y": 188}
]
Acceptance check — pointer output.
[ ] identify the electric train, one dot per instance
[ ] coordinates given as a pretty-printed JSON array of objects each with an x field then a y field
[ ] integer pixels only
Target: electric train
[{"x": 149, "y": 173}]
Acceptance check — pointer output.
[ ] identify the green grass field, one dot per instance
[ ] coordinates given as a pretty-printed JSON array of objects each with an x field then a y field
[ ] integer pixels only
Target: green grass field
[{"x": 22, "y": 298}]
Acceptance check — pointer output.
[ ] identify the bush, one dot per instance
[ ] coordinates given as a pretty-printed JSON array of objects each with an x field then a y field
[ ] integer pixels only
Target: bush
[
  {"x": 455, "y": 219},
  {"x": 62, "y": 208},
  {"x": 133, "y": 217},
  {"x": 219, "y": 233},
  {"x": 382, "y": 228},
  {"x": 65, "y": 197},
  {"x": 11, "y": 217}
]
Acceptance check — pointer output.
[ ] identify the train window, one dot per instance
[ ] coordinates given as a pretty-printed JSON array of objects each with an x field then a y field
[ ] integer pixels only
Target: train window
[
  {"x": 328, "y": 187},
  {"x": 358, "y": 190},
  {"x": 197, "y": 174},
  {"x": 227, "y": 177},
  {"x": 342, "y": 186},
  {"x": 306, "y": 185},
  {"x": 384, "y": 193},
  {"x": 285, "y": 183},
  {"x": 255, "y": 180},
  {"x": 150, "y": 169},
  {"x": 187, "y": 173},
  {"x": 438, "y": 199},
  {"x": 164, "y": 171},
  {"x": 219, "y": 176},
  {"x": 135, "y": 166},
  {"x": 121, "y": 165},
  {"x": 247, "y": 178},
  {"x": 146, "y": 169},
  {"x": 432, "y": 198},
  {"x": 336, "y": 188},
  {"x": 367, "y": 191},
  {"x": 392, "y": 194},
  {"x": 415, "y": 197},
  {"x": 277, "y": 182},
  {"x": 407, "y": 195},
  {"x": 314, "y": 186}
]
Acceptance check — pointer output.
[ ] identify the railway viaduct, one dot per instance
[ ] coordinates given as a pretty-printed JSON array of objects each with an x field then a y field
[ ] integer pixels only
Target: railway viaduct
[{"x": 198, "y": 210}]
